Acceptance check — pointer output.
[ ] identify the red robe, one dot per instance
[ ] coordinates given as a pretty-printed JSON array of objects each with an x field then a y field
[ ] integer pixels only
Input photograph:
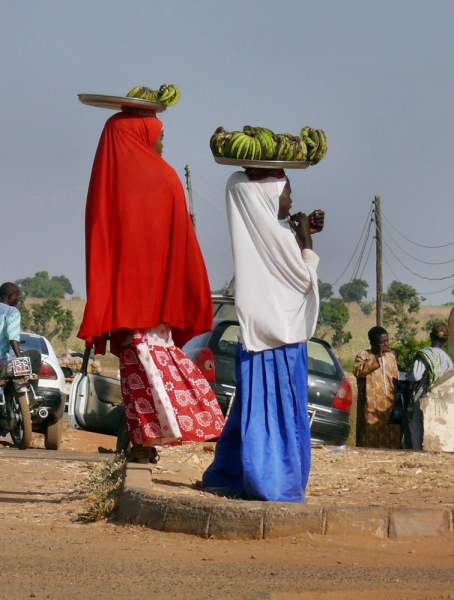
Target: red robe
[{"x": 143, "y": 261}]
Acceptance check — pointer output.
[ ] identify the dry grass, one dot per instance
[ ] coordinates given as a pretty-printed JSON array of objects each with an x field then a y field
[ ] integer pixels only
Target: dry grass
[
  {"x": 359, "y": 324},
  {"x": 102, "y": 489}
]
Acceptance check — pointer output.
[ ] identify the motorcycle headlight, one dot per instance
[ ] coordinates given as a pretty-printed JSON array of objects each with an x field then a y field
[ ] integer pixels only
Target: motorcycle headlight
[{"x": 9, "y": 369}]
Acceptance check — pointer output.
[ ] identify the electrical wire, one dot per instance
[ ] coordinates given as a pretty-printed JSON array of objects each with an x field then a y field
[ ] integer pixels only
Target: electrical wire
[
  {"x": 357, "y": 245},
  {"x": 360, "y": 258},
  {"x": 207, "y": 201},
  {"x": 390, "y": 268},
  {"x": 414, "y": 257},
  {"x": 411, "y": 242},
  {"x": 413, "y": 273},
  {"x": 420, "y": 293},
  {"x": 367, "y": 259}
]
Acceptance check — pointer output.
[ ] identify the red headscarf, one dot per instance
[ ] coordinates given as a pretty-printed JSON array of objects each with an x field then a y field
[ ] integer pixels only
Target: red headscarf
[{"x": 144, "y": 264}]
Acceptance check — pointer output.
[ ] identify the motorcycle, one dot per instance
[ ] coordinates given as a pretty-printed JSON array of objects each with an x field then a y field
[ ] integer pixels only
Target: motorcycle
[{"x": 16, "y": 397}]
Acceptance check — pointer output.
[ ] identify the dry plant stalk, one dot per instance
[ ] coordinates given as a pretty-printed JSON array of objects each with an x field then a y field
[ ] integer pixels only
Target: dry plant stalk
[{"x": 102, "y": 488}]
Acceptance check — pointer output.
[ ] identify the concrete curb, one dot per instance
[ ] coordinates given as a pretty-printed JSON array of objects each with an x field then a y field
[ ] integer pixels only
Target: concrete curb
[{"x": 238, "y": 519}]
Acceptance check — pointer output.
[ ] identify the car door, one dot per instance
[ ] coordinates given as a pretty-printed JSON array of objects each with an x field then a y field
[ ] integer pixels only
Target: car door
[{"x": 96, "y": 402}]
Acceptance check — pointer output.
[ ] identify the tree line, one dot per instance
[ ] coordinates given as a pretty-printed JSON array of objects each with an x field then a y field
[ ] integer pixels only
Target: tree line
[{"x": 47, "y": 318}]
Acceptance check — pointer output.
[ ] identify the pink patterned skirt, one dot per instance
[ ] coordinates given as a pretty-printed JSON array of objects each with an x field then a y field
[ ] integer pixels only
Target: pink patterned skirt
[{"x": 166, "y": 398}]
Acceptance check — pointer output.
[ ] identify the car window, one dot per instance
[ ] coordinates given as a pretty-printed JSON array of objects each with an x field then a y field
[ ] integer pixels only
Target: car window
[
  {"x": 200, "y": 341},
  {"x": 320, "y": 360},
  {"x": 228, "y": 341},
  {"x": 30, "y": 342},
  {"x": 227, "y": 311}
]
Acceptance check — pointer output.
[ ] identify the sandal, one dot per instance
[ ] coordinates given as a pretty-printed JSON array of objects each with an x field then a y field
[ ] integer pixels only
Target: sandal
[{"x": 138, "y": 454}]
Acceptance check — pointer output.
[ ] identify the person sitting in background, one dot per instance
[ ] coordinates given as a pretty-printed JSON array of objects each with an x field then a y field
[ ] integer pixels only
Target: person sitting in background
[
  {"x": 374, "y": 370},
  {"x": 429, "y": 364}
]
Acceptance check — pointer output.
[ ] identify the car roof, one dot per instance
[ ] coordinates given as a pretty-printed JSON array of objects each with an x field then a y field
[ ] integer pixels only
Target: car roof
[{"x": 312, "y": 339}]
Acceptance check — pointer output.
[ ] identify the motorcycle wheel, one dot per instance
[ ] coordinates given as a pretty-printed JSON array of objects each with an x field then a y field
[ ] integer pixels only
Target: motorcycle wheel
[
  {"x": 52, "y": 435},
  {"x": 22, "y": 433}
]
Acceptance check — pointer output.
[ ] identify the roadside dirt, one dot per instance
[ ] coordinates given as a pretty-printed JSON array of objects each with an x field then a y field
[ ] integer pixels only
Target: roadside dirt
[
  {"x": 48, "y": 554},
  {"x": 357, "y": 476}
]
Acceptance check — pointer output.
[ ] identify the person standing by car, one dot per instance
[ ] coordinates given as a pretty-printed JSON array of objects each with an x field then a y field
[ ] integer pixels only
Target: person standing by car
[
  {"x": 374, "y": 371},
  {"x": 10, "y": 325},
  {"x": 264, "y": 451},
  {"x": 429, "y": 364},
  {"x": 147, "y": 286}
]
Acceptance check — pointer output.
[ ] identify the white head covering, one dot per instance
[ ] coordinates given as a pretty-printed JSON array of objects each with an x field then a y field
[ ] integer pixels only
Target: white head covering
[{"x": 276, "y": 292}]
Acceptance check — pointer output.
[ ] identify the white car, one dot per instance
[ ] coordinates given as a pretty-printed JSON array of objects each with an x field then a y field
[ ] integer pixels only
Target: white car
[{"x": 51, "y": 386}]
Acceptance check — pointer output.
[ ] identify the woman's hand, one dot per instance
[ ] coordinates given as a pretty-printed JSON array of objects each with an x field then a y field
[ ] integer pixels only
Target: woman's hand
[
  {"x": 299, "y": 222},
  {"x": 317, "y": 220}
]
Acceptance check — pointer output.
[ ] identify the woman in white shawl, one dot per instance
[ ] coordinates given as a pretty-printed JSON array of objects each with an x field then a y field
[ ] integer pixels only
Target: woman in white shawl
[{"x": 264, "y": 449}]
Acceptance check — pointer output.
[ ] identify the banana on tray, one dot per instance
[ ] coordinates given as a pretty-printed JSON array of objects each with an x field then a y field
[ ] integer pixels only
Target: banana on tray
[
  {"x": 260, "y": 143},
  {"x": 167, "y": 94}
]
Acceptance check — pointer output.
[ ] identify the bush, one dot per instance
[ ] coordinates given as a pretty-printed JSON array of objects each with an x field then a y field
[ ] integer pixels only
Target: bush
[
  {"x": 333, "y": 317},
  {"x": 354, "y": 291},
  {"x": 408, "y": 350},
  {"x": 43, "y": 286},
  {"x": 367, "y": 307}
]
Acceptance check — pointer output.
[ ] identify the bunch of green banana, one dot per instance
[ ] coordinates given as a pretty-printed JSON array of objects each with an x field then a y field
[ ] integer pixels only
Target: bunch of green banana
[
  {"x": 259, "y": 143},
  {"x": 316, "y": 142},
  {"x": 218, "y": 141},
  {"x": 167, "y": 94},
  {"x": 144, "y": 93},
  {"x": 290, "y": 147}
]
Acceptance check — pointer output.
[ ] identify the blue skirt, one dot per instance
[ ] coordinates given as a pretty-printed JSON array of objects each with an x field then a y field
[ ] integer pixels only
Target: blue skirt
[{"x": 264, "y": 451}]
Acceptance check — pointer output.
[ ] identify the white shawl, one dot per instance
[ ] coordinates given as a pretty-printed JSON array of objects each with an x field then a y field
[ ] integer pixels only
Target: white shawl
[{"x": 276, "y": 290}]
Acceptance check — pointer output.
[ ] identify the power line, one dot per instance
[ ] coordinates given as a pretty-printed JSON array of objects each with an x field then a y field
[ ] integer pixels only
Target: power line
[
  {"x": 357, "y": 245},
  {"x": 421, "y": 293},
  {"x": 358, "y": 262},
  {"x": 206, "y": 200},
  {"x": 415, "y": 243},
  {"x": 390, "y": 268},
  {"x": 367, "y": 259},
  {"x": 414, "y": 257},
  {"x": 416, "y": 274}
]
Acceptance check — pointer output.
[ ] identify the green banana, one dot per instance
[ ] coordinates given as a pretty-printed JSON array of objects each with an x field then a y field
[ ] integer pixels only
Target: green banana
[
  {"x": 260, "y": 143},
  {"x": 322, "y": 148}
]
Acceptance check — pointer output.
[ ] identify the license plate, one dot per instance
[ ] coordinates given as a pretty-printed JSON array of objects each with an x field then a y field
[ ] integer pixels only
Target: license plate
[{"x": 22, "y": 366}]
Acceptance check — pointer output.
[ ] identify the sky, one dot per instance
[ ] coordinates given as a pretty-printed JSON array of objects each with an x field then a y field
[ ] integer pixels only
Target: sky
[{"x": 376, "y": 76}]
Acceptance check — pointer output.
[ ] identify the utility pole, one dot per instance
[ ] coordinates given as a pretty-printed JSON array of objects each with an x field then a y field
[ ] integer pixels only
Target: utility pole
[
  {"x": 189, "y": 187},
  {"x": 379, "y": 264}
]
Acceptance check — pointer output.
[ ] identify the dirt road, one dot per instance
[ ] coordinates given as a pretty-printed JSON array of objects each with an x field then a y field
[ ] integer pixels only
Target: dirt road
[{"x": 46, "y": 553}]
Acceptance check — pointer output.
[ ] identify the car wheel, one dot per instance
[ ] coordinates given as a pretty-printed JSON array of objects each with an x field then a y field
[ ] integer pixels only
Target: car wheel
[
  {"x": 123, "y": 441},
  {"x": 52, "y": 435}
]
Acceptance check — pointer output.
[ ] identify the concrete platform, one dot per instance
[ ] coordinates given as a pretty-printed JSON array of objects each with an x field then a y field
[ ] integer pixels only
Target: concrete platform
[{"x": 176, "y": 506}]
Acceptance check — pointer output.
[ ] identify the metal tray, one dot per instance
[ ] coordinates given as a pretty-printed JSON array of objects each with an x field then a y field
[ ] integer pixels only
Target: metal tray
[
  {"x": 262, "y": 164},
  {"x": 116, "y": 102}
]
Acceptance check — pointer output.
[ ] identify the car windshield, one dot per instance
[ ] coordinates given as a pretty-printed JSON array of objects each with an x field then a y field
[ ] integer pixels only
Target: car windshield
[
  {"x": 31, "y": 342},
  {"x": 227, "y": 311},
  {"x": 320, "y": 360}
]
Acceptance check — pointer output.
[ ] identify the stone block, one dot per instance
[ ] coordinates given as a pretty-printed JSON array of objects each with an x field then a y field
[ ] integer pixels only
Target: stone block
[
  {"x": 188, "y": 515},
  {"x": 368, "y": 520},
  {"x": 284, "y": 519},
  {"x": 143, "y": 509},
  {"x": 236, "y": 519},
  {"x": 419, "y": 522},
  {"x": 438, "y": 410}
]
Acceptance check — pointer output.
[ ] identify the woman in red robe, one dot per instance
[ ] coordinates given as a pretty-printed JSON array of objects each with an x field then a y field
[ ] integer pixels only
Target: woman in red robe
[{"x": 147, "y": 286}]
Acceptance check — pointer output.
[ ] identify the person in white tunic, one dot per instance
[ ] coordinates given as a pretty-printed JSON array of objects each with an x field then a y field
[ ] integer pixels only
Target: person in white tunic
[{"x": 429, "y": 364}]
